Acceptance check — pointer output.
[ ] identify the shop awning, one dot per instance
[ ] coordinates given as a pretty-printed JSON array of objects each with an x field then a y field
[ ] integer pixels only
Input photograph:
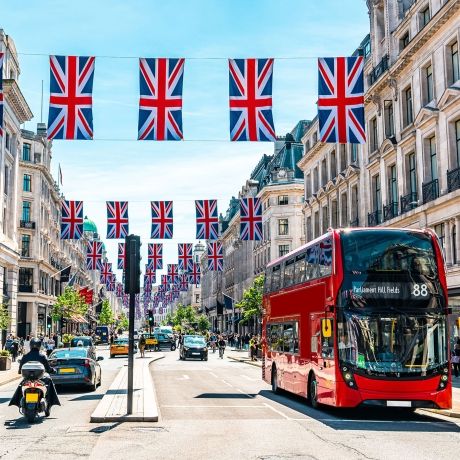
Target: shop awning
[{"x": 78, "y": 319}]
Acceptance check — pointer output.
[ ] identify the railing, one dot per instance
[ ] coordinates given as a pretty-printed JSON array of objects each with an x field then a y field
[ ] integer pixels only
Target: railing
[
  {"x": 453, "y": 179},
  {"x": 27, "y": 224},
  {"x": 430, "y": 191},
  {"x": 378, "y": 70},
  {"x": 354, "y": 223},
  {"x": 374, "y": 218},
  {"x": 390, "y": 211},
  {"x": 408, "y": 202}
]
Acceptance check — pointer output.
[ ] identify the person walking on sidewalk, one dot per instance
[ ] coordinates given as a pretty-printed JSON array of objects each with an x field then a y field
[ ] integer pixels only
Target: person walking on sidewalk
[
  {"x": 253, "y": 348},
  {"x": 14, "y": 349},
  {"x": 142, "y": 345},
  {"x": 456, "y": 358}
]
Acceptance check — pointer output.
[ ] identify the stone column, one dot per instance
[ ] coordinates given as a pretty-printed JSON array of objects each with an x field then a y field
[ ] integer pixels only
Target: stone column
[
  {"x": 457, "y": 237},
  {"x": 13, "y": 302}
]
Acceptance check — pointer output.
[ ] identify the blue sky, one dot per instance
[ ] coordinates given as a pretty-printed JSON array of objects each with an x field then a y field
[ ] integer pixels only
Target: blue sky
[{"x": 115, "y": 166}]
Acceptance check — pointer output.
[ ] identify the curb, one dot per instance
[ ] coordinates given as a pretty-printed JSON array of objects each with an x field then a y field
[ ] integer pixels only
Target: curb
[
  {"x": 251, "y": 363},
  {"x": 150, "y": 408},
  {"x": 445, "y": 413},
  {"x": 12, "y": 379}
]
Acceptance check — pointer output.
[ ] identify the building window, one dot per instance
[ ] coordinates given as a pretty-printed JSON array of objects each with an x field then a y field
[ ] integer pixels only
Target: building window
[
  {"x": 389, "y": 119},
  {"x": 439, "y": 230},
  {"x": 25, "y": 246},
  {"x": 26, "y": 152},
  {"x": 404, "y": 41},
  {"x": 412, "y": 174},
  {"x": 309, "y": 229},
  {"x": 8, "y": 141},
  {"x": 323, "y": 172},
  {"x": 424, "y": 17},
  {"x": 433, "y": 160},
  {"x": 283, "y": 227},
  {"x": 374, "y": 134},
  {"x": 316, "y": 224},
  {"x": 333, "y": 165},
  {"x": 408, "y": 110},
  {"x": 27, "y": 183},
  {"x": 26, "y": 211},
  {"x": 325, "y": 218},
  {"x": 393, "y": 184},
  {"x": 26, "y": 279},
  {"x": 283, "y": 200},
  {"x": 6, "y": 183},
  {"x": 454, "y": 62},
  {"x": 343, "y": 157},
  {"x": 344, "y": 210},
  {"x": 457, "y": 141},
  {"x": 354, "y": 153},
  {"x": 307, "y": 186},
  {"x": 334, "y": 214},
  {"x": 315, "y": 179},
  {"x": 428, "y": 84},
  {"x": 376, "y": 193},
  {"x": 283, "y": 249}
]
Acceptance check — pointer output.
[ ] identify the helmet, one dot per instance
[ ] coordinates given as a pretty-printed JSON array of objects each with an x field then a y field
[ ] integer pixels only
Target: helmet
[
  {"x": 79, "y": 343},
  {"x": 35, "y": 344}
]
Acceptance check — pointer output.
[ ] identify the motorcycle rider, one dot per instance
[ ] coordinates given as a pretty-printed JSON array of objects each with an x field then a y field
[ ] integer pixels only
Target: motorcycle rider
[
  {"x": 51, "y": 394},
  {"x": 221, "y": 344}
]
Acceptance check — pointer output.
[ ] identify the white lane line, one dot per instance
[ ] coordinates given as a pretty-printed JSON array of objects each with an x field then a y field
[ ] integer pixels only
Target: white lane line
[
  {"x": 249, "y": 378},
  {"x": 244, "y": 393},
  {"x": 252, "y": 406},
  {"x": 226, "y": 383},
  {"x": 214, "y": 375},
  {"x": 277, "y": 411}
]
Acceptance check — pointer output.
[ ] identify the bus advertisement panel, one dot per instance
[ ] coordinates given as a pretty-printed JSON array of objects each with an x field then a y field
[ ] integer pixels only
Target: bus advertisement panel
[{"x": 359, "y": 317}]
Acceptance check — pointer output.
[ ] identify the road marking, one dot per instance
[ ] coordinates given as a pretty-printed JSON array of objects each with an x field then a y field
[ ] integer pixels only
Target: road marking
[
  {"x": 277, "y": 411},
  {"x": 258, "y": 406},
  {"x": 214, "y": 375},
  {"x": 249, "y": 378},
  {"x": 226, "y": 383}
]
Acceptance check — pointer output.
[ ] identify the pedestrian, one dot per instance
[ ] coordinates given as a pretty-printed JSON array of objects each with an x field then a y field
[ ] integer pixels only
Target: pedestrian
[
  {"x": 50, "y": 346},
  {"x": 111, "y": 338},
  {"x": 252, "y": 348},
  {"x": 142, "y": 345},
  {"x": 26, "y": 345},
  {"x": 246, "y": 341},
  {"x": 14, "y": 349},
  {"x": 456, "y": 358}
]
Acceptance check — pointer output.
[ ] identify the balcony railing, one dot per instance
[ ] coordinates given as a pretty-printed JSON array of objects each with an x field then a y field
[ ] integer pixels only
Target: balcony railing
[
  {"x": 374, "y": 218},
  {"x": 378, "y": 70},
  {"x": 453, "y": 179},
  {"x": 27, "y": 224},
  {"x": 390, "y": 211},
  {"x": 430, "y": 191},
  {"x": 354, "y": 223},
  {"x": 408, "y": 202}
]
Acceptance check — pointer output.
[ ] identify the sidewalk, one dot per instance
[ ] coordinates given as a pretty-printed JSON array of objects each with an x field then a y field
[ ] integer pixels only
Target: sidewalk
[
  {"x": 10, "y": 375},
  {"x": 243, "y": 357},
  {"x": 112, "y": 407}
]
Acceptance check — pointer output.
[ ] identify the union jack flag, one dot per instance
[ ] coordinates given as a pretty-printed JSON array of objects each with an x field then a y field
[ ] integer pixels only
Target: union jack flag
[
  {"x": 117, "y": 219},
  {"x": 106, "y": 272},
  {"x": 150, "y": 275},
  {"x": 1, "y": 95},
  {"x": 162, "y": 219},
  {"x": 183, "y": 286},
  {"x": 72, "y": 220},
  {"x": 173, "y": 273},
  {"x": 160, "y": 103},
  {"x": 194, "y": 276},
  {"x": 71, "y": 101},
  {"x": 164, "y": 281},
  {"x": 207, "y": 222},
  {"x": 94, "y": 255},
  {"x": 121, "y": 256},
  {"x": 155, "y": 256},
  {"x": 185, "y": 256},
  {"x": 341, "y": 100},
  {"x": 251, "y": 117},
  {"x": 110, "y": 284},
  {"x": 215, "y": 256},
  {"x": 251, "y": 219},
  {"x": 119, "y": 290}
]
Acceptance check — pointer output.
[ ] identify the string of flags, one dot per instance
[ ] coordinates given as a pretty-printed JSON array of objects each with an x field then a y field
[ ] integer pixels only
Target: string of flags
[{"x": 340, "y": 99}]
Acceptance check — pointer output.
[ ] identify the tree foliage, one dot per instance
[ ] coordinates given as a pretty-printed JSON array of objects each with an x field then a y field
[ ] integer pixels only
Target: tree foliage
[
  {"x": 69, "y": 303},
  {"x": 185, "y": 318},
  {"x": 251, "y": 304},
  {"x": 123, "y": 321},
  {"x": 106, "y": 317},
  {"x": 5, "y": 318}
]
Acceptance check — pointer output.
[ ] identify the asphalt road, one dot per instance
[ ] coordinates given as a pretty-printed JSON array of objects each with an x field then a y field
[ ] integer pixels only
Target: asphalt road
[{"x": 221, "y": 409}]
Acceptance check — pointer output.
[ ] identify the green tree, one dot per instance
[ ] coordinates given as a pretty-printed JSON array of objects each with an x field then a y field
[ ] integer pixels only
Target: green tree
[
  {"x": 106, "y": 316},
  {"x": 123, "y": 321},
  {"x": 251, "y": 304},
  {"x": 4, "y": 316},
  {"x": 203, "y": 323},
  {"x": 68, "y": 304}
]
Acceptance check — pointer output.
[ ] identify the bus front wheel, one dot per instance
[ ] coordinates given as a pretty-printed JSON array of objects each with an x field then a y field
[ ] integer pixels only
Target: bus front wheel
[
  {"x": 275, "y": 387},
  {"x": 313, "y": 391}
]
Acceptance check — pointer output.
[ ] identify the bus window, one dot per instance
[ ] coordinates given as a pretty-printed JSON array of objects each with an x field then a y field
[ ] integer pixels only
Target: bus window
[
  {"x": 267, "y": 281},
  {"x": 276, "y": 337},
  {"x": 275, "y": 278},
  {"x": 325, "y": 257},
  {"x": 289, "y": 273},
  {"x": 296, "y": 337},
  {"x": 288, "y": 338},
  {"x": 299, "y": 271},
  {"x": 312, "y": 263}
]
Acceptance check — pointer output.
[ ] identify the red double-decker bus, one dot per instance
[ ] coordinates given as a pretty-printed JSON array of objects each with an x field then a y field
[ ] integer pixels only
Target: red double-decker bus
[{"x": 359, "y": 317}]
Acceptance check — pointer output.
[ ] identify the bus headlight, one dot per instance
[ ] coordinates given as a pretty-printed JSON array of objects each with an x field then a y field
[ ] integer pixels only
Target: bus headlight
[
  {"x": 444, "y": 379},
  {"x": 347, "y": 375}
]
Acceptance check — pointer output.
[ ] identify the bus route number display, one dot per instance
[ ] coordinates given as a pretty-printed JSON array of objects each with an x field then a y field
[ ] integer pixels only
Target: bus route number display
[{"x": 391, "y": 290}]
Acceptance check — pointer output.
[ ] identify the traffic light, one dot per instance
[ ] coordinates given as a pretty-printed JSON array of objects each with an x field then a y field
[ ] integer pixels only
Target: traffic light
[
  {"x": 151, "y": 322},
  {"x": 132, "y": 264}
]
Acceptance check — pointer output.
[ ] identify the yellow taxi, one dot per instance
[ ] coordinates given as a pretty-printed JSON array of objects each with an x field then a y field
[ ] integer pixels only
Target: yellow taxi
[{"x": 120, "y": 347}]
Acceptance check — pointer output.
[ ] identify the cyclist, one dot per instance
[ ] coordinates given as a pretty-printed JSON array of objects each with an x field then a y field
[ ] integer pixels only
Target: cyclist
[{"x": 221, "y": 344}]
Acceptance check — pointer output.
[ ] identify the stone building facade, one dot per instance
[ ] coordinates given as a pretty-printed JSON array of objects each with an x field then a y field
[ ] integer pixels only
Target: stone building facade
[{"x": 408, "y": 172}]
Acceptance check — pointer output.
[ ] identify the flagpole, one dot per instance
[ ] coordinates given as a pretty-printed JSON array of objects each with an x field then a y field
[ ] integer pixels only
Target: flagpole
[{"x": 60, "y": 271}]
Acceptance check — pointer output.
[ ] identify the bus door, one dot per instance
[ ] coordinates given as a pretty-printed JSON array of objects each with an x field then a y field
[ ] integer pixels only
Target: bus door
[{"x": 322, "y": 334}]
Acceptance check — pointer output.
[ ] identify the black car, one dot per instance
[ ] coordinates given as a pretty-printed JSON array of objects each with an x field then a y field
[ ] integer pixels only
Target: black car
[
  {"x": 76, "y": 366},
  {"x": 164, "y": 341},
  {"x": 194, "y": 346}
]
